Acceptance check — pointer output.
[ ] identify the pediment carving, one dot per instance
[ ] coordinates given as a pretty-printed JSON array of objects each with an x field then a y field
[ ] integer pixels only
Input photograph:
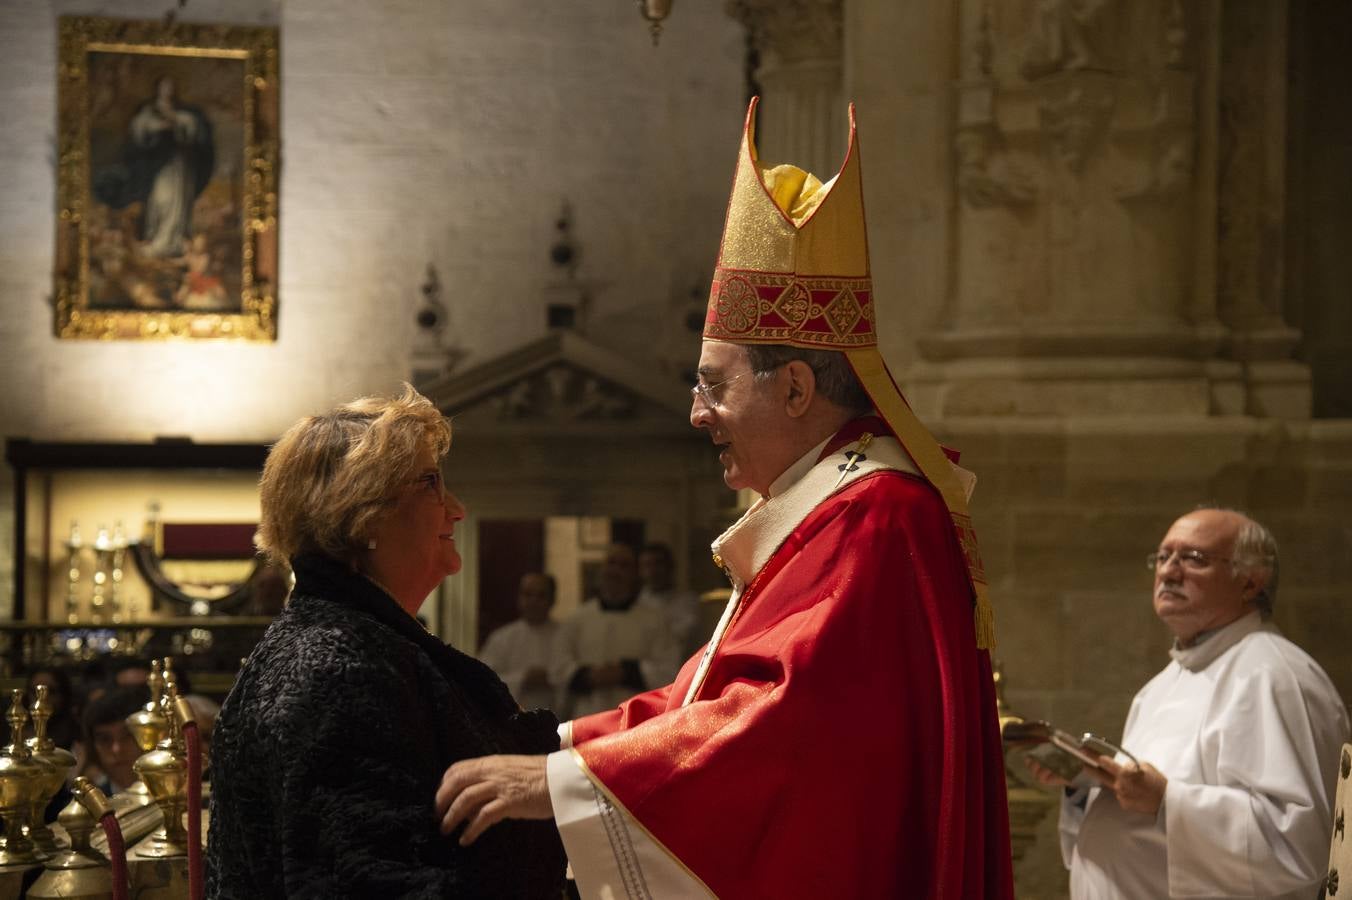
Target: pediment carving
[
  {"x": 564, "y": 393},
  {"x": 564, "y": 381}
]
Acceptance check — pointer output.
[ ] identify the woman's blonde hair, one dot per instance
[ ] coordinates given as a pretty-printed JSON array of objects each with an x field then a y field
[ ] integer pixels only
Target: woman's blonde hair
[{"x": 330, "y": 476}]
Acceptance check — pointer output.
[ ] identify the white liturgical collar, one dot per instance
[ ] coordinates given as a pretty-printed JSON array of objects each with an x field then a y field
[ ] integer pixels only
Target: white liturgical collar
[
  {"x": 790, "y": 476},
  {"x": 1211, "y": 645}
]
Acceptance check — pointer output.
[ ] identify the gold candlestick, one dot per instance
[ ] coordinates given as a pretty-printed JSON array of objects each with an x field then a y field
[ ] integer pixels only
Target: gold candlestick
[
  {"x": 56, "y": 763},
  {"x": 20, "y": 779},
  {"x": 148, "y": 726},
  {"x": 165, "y": 772},
  {"x": 73, "y": 546},
  {"x": 118, "y": 557},
  {"x": 102, "y": 553}
]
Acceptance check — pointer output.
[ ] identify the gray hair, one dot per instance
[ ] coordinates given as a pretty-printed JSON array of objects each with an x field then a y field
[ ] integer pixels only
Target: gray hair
[
  {"x": 835, "y": 379},
  {"x": 1254, "y": 553}
]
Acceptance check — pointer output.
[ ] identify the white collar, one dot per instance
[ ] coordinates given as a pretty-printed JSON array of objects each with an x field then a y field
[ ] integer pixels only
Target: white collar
[
  {"x": 794, "y": 473},
  {"x": 751, "y": 540},
  {"x": 1214, "y": 643}
]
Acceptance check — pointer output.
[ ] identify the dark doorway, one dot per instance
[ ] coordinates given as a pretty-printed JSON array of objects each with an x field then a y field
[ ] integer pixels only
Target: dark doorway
[{"x": 508, "y": 549}]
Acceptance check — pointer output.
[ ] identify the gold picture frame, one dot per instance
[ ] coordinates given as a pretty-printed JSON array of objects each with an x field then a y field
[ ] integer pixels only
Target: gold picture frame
[{"x": 166, "y": 181}]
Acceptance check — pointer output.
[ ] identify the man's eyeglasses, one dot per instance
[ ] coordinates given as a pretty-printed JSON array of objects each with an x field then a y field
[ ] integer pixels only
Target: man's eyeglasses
[
  {"x": 706, "y": 392},
  {"x": 1192, "y": 560}
]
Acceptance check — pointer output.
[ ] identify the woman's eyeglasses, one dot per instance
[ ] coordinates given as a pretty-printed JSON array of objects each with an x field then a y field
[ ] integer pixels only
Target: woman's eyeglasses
[{"x": 430, "y": 480}]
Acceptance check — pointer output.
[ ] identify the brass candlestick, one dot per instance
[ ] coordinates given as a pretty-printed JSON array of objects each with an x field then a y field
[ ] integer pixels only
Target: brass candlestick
[
  {"x": 80, "y": 871},
  {"x": 118, "y": 558},
  {"x": 103, "y": 551},
  {"x": 148, "y": 726},
  {"x": 165, "y": 772},
  {"x": 56, "y": 763},
  {"x": 20, "y": 779},
  {"x": 73, "y": 546}
]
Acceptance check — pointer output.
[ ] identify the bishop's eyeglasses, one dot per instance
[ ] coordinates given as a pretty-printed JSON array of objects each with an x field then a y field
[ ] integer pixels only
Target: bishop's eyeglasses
[{"x": 708, "y": 392}]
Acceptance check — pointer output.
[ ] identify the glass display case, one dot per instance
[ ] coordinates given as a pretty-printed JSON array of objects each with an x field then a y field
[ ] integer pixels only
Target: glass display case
[{"x": 137, "y": 549}]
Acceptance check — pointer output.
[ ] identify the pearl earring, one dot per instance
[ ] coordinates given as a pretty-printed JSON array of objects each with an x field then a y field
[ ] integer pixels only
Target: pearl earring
[{"x": 371, "y": 544}]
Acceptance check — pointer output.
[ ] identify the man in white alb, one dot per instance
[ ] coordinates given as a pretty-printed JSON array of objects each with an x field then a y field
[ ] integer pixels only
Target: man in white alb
[
  {"x": 613, "y": 647},
  {"x": 1238, "y": 741},
  {"x": 525, "y": 652},
  {"x": 657, "y": 571}
]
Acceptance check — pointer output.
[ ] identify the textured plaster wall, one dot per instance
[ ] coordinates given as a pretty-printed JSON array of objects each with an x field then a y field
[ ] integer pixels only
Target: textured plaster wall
[{"x": 413, "y": 132}]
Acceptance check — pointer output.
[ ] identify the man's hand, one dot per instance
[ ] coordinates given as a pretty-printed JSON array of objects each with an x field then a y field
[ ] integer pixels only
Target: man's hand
[
  {"x": 1138, "y": 788},
  {"x": 1044, "y": 775},
  {"x": 484, "y": 791}
]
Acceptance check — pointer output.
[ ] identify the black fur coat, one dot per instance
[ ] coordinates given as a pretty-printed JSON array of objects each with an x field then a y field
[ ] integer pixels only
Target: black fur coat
[{"x": 330, "y": 747}]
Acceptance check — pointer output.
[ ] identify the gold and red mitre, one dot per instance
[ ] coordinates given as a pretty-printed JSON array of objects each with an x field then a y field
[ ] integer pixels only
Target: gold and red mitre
[{"x": 793, "y": 269}]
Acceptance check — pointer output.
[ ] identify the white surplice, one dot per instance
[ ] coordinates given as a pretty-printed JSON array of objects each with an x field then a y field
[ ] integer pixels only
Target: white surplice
[
  {"x": 1247, "y": 728},
  {"x": 516, "y": 648},
  {"x": 594, "y": 635},
  {"x": 681, "y": 607}
]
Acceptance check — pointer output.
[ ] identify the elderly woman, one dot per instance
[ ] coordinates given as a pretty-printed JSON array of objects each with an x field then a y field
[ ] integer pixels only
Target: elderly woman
[{"x": 329, "y": 749}]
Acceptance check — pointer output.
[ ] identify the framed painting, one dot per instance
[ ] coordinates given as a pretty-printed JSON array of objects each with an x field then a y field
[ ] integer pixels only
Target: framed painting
[{"x": 166, "y": 181}]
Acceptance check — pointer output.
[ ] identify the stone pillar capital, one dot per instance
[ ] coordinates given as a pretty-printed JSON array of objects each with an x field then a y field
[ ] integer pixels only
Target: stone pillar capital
[
  {"x": 792, "y": 32},
  {"x": 800, "y": 44}
]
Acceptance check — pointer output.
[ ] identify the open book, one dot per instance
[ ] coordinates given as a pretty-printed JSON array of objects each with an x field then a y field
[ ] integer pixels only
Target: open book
[{"x": 1060, "y": 750}]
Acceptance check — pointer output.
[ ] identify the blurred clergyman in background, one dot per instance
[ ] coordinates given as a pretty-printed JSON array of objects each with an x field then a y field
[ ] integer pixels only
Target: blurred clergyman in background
[
  {"x": 525, "y": 653},
  {"x": 1237, "y": 741}
]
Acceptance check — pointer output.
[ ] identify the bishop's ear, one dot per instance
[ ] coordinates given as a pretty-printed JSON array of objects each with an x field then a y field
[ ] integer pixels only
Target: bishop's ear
[{"x": 802, "y": 385}]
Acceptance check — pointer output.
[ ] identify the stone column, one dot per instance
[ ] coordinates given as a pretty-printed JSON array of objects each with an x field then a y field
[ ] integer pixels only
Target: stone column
[
  {"x": 1087, "y": 181},
  {"x": 1251, "y": 210},
  {"x": 802, "y": 118}
]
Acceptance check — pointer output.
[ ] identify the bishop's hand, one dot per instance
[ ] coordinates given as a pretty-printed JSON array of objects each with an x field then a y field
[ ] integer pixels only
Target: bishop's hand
[{"x": 481, "y": 792}]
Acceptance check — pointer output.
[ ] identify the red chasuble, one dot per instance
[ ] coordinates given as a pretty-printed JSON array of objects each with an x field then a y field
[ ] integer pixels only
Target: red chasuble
[{"x": 844, "y": 741}]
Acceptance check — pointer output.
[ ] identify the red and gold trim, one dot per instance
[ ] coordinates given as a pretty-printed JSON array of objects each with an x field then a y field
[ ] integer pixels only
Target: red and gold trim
[{"x": 777, "y": 308}]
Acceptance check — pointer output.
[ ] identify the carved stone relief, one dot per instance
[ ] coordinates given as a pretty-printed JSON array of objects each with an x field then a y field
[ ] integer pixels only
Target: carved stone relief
[
  {"x": 1250, "y": 170},
  {"x": 987, "y": 174},
  {"x": 563, "y": 393},
  {"x": 1066, "y": 83},
  {"x": 1072, "y": 36},
  {"x": 1175, "y": 35},
  {"x": 1075, "y": 118},
  {"x": 1074, "y": 151}
]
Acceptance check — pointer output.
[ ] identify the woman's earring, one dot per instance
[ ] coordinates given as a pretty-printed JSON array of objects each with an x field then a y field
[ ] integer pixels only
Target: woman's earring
[{"x": 371, "y": 544}]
